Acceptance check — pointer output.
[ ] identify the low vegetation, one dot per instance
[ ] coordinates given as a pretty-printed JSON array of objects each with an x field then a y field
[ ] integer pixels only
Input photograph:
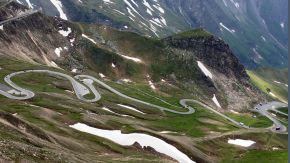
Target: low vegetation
[
  {"x": 268, "y": 86},
  {"x": 55, "y": 107},
  {"x": 254, "y": 120}
]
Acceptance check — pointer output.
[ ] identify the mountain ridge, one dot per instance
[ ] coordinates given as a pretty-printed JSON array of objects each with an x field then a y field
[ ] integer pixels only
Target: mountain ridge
[
  {"x": 244, "y": 25},
  {"x": 97, "y": 47}
]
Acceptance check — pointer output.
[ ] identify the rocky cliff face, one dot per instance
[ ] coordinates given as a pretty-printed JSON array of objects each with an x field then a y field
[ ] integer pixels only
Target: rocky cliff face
[
  {"x": 212, "y": 51},
  {"x": 230, "y": 80}
]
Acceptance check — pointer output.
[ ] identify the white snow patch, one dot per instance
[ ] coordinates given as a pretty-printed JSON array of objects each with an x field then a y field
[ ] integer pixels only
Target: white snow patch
[
  {"x": 204, "y": 69},
  {"x": 257, "y": 53},
  {"x": 241, "y": 142},
  {"x": 134, "y": 3},
  {"x": 107, "y": 1},
  {"x": 151, "y": 85},
  {"x": 74, "y": 70},
  {"x": 147, "y": 5},
  {"x": 129, "y": 139},
  {"x": 156, "y": 21},
  {"x": 131, "y": 18},
  {"x": 102, "y": 75},
  {"x": 58, "y": 5},
  {"x": 282, "y": 24},
  {"x": 277, "y": 82},
  {"x": 214, "y": 99},
  {"x": 72, "y": 41},
  {"x": 153, "y": 29},
  {"x": 65, "y": 33},
  {"x": 237, "y": 5},
  {"x": 163, "y": 21},
  {"x": 275, "y": 148},
  {"x": 263, "y": 38},
  {"x": 226, "y": 28},
  {"x": 1, "y": 27},
  {"x": 57, "y": 51},
  {"x": 90, "y": 39},
  {"x": 130, "y": 108},
  {"x": 108, "y": 110},
  {"x": 126, "y": 80},
  {"x": 119, "y": 12},
  {"x": 29, "y": 4},
  {"x": 168, "y": 132},
  {"x": 122, "y": 115},
  {"x": 132, "y": 58},
  {"x": 149, "y": 12},
  {"x": 273, "y": 114},
  {"x": 272, "y": 94},
  {"x": 130, "y": 12},
  {"x": 235, "y": 112},
  {"x": 53, "y": 64},
  {"x": 113, "y": 65},
  {"x": 225, "y": 3},
  {"x": 160, "y": 9},
  {"x": 19, "y": 2},
  {"x": 280, "y": 83},
  {"x": 131, "y": 7}
]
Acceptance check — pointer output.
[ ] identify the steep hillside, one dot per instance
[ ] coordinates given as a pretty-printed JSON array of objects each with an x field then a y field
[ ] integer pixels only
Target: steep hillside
[
  {"x": 255, "y": 30},
  {"x": 76, "y": 92},
  {"x": 273, "y": 82},
  {"x": 116, "y": 54}
]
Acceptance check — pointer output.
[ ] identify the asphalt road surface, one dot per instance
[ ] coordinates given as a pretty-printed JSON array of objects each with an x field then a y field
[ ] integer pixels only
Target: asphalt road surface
[
  {"x": 263, "y": 108},
  {"x": 83, "y": 85}
]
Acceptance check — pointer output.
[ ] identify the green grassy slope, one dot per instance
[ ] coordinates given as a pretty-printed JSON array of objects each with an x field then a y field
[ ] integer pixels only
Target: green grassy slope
[
  {"x": 258, "y": 122},
  {"x": 280, "y": 91},
  {"x": 54, "y": 107},
  {"x": 268, "y": 148}
]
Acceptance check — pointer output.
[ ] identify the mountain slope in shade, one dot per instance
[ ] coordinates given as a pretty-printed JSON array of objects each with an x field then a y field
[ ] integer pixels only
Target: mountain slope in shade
[{"x": 257, "y": 31}]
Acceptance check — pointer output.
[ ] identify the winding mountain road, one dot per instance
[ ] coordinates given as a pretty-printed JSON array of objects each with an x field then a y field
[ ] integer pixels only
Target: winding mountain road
[
  {"x": 190, "y": 109},
  {"x": 264, "y": 110},
  {"x": 83, "y": 85}
]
